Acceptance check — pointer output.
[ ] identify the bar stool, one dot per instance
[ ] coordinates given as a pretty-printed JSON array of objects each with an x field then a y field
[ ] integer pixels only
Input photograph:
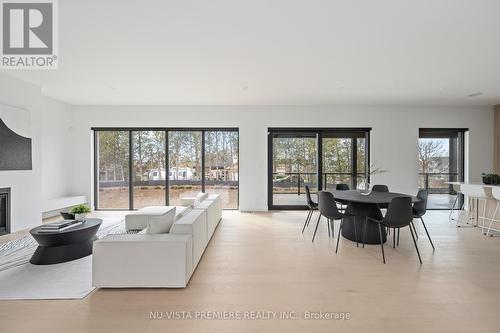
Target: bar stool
[
  {"x": 475, "y": 193},
  {"x": 495, "y": 192},
  {"x": 456, "y": 189}
]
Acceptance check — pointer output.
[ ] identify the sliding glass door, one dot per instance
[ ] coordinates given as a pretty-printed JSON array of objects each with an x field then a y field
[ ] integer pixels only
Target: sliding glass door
[
  {"x": 112, "y": 169},
  {"x": 318, "y": 158},
  {"x": 294, "y": 165},
  {"x": 221, "y": 166},
  {"x": 148, "y": 168},
  {"x": 344, "y": 159},
  {"x": 184, "y": 172},
  {"x": 441, "y": 160},
  {"x": 135, "y": 168}
]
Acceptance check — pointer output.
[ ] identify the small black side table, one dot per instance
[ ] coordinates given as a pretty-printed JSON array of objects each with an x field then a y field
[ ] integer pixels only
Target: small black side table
[{"x": 62, "y": 246}]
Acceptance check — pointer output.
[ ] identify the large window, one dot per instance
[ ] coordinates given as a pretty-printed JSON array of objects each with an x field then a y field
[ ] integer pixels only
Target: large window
[
  {"x": 184, "y": 172},
  {"x": 318, "y": 158},
  {"x": 294, "y": 165},
  {"x": 441, "y": 160},
  {"x": 136, "y": 168},
  {"x": 221, "y": 166},
  {"x": 112, "y": 161},
  {"x": 148, "y": 168},
  {"x": 343, "y": 159}
]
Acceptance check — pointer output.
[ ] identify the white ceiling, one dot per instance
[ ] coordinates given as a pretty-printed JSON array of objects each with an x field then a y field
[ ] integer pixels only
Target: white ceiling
[{"x": 275, "y": 52}]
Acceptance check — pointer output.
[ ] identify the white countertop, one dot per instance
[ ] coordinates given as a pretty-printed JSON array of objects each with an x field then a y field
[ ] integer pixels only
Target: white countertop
[{"x": 471, "y": 183}]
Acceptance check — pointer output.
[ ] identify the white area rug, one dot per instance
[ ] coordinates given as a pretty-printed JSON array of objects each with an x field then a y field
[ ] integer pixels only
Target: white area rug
[{"x": 70, "y": 280}]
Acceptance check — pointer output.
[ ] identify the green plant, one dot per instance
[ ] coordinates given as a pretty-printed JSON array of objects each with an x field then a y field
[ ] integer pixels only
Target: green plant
[{"x": 80, "y": 209}]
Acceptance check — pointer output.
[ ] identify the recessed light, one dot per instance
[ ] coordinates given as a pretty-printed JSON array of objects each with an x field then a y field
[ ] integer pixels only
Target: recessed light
[{"x": 475, "y": 94}]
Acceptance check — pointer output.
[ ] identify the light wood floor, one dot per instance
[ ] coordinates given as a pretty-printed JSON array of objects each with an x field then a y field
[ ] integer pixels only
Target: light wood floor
[{"x": 261, "y": 262}]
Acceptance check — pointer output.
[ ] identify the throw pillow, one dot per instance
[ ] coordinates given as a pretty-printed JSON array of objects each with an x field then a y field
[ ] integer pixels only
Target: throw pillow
[{"x": 161, "y": 224}]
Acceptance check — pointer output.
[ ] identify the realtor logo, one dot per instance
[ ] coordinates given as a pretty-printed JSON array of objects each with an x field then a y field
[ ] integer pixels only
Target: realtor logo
[{"x": 29, "y": 34}]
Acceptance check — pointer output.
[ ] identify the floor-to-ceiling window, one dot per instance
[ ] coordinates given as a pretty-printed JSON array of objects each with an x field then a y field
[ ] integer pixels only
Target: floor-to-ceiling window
[
  {"x": 294, "y": 165},
  {"x": 318, "y": 158},
  {"x": 344, "y": 157},
  {"x": 441, "y": 160},
  {"x": 112, "y": 169},
  {"x": 148, "y": 168},
  {"x": 221, "y": 166},
  {"x": 184, "y": 167},
  {"x": 135, "y": 168}
]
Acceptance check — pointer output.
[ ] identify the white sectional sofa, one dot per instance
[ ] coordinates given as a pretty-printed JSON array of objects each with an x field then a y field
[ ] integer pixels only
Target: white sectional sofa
[{"x": 157, "y": 260}]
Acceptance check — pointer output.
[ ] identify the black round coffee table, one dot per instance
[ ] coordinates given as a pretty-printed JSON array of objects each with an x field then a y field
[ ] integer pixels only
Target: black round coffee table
[
  {"x": 362, "y": 206},
  {"x": 61, "y": 246}
]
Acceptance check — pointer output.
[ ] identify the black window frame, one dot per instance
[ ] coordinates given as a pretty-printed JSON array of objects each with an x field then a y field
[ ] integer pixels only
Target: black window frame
[
  {"x": 130, "y": 130},
  {"x": 446, "y": 133},
  {"x": 345, "y": 132}
]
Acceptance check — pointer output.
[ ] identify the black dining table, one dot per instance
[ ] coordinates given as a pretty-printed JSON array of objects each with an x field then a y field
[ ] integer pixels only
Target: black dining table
[{"x": 362, "y": 206}]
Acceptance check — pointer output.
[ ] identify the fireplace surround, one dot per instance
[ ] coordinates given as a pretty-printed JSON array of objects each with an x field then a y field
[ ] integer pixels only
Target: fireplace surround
[{"x": 4, "y": 211}]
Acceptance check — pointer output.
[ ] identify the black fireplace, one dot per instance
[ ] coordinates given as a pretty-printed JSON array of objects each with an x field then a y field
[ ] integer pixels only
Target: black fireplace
[{"x": 4, "y": 211}]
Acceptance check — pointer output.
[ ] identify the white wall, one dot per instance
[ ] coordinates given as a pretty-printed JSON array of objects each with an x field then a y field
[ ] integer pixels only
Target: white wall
[
  {"x": 25, "y": 185},
  {"x": 57, "y": 153},
  {"x": 51, "y": 154},
  {"x": 393, "y": 138}
]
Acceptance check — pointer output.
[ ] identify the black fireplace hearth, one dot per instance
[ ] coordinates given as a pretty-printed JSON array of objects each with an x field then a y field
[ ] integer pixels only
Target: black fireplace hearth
[{"x": 4, "y": 211}]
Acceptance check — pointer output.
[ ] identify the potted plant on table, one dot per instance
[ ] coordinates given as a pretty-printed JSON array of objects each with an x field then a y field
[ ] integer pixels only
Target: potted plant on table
[{"x": 80, "y": 212}]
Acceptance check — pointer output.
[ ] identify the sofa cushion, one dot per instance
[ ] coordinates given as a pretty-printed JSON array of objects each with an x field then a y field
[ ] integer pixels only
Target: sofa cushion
[
  {"x": 161, "y": 224},
  {"x": 200, "y": 197},
  {"x": 131, "y": 261},
  {"x": 212, "y": 220},
  {"x": 182, "y": 211},
  {"x": 194, "y": 224},
  {"x": 138, "y": 220},
  {"x": 218, "y": 203}
]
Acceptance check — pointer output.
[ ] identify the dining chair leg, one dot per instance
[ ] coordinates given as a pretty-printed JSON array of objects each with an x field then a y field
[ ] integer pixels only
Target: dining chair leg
[
  {"x": 398, "y": 237},
  {"x": 316, "y": 229},
  {"x": 355, "y": 231},
  {"x": 381, "y": 242},
  {"x": 414, "y": 229},
  {"x": 310, "y": 217},
  {"x": 333, "y": 228},
  {"x": 393, "y": 238},
  {"x": 307, "y": 220},
  {"x": 416, "y": 247},
  {"x": 338, "y": 238},
  {"x": 427, "y": 232},
  {"x": 329, "y": 225},
  {"x": 364, "y": 232}
]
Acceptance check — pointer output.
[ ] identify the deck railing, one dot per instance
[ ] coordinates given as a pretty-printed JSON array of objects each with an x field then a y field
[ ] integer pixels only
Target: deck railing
[
  {"x": 294, "y": 181},
  {"x": 435, "y": 182}
]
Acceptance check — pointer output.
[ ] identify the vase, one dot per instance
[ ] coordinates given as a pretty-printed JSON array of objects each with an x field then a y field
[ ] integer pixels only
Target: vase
[
  {"x": 364, "y": 188},
  {"x": 80, "y": 217}
]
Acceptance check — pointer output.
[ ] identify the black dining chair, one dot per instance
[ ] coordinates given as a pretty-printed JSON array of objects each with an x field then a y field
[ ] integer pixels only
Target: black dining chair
[
  {"x": 419, "y": 210},
  {"x": 399, "y": 215},
  {"x": 312, "y": 207},
  {"x": 381, "y": 188},
  {"x": 328, "y": 208},
  {"x": 342, "y": 187}
]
